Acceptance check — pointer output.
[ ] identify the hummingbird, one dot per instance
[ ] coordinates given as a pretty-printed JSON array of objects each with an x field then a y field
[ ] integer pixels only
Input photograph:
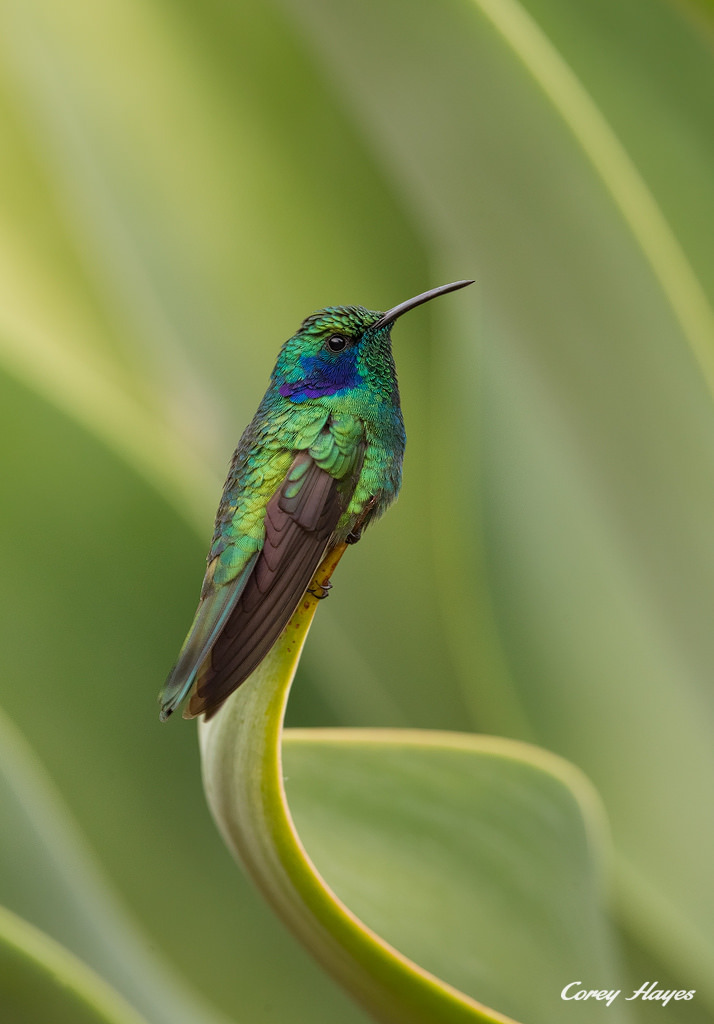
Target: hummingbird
[{"x": 321, "y": 459}]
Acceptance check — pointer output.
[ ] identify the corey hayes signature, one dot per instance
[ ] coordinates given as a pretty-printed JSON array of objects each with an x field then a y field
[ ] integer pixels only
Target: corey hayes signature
[{"x": 647, "y": 991}]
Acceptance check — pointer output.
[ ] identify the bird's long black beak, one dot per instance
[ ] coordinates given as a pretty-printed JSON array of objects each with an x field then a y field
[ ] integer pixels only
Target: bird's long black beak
[{"x": 391, "y": 315}]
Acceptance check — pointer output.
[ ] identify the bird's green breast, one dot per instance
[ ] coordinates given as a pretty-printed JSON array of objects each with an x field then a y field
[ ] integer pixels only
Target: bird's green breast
[{"x": 355, "y": 440}]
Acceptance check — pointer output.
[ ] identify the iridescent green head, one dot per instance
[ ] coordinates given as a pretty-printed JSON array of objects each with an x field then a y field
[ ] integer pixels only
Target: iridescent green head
[{"x": 344, "y": 348}]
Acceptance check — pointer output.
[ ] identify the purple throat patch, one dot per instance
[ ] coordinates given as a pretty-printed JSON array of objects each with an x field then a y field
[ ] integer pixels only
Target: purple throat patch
[{"x": 323, "y": 377}]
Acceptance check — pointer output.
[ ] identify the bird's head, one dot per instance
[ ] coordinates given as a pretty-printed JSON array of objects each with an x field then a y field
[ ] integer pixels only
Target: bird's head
[{"x": 345, "y": 348}]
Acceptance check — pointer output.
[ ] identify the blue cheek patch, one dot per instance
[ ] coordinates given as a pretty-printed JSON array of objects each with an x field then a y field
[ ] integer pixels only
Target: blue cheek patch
[{"x": 324, "y": 376}]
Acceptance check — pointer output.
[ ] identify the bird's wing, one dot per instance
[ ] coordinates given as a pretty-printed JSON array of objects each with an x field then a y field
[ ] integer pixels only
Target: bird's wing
[{"x": 300, "y": 520}]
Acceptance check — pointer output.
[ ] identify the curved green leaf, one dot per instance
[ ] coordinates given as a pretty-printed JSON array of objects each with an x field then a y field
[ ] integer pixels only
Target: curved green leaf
[
  {"x": 243, "y": 779},
  {"x": 41, "y": 981},
  {"x": 476, "y": 857},
  {"x": 49, "y": 879},
  {"x": 435, "y": 862},
  {"x": 618, "y": 172}
]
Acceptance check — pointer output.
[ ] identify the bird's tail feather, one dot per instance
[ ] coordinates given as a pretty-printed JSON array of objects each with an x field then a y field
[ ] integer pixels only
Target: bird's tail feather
[{"x": 211, "y": 616}]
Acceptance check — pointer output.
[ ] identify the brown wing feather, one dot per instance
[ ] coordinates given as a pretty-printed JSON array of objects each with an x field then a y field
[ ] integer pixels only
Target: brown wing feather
[{"x": 297, "y": 533}]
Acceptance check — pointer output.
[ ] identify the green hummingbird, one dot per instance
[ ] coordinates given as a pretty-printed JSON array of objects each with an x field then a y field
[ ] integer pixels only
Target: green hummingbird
[{"x": 320, "y": 460}]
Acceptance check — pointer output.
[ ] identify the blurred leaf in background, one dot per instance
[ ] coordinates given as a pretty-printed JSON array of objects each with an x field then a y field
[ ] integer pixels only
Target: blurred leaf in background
[{"x": 181, "y": 184}]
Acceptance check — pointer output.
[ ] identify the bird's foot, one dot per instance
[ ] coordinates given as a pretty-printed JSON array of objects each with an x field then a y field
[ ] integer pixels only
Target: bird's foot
[
  {"x": 320, "y": 590},
  {"x": 356, "y": 532}
]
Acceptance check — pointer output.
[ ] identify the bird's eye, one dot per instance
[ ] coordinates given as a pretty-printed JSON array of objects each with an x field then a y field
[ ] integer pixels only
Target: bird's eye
[{"x": 336, "y": 343}]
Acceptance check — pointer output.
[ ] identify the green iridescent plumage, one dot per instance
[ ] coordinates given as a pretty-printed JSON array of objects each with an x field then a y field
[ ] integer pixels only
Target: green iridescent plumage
[{"x": 320, "y": 460}]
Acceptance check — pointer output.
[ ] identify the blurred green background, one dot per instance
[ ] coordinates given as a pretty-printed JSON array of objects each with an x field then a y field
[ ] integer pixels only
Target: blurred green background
[{"x": 181, "y": 184}]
